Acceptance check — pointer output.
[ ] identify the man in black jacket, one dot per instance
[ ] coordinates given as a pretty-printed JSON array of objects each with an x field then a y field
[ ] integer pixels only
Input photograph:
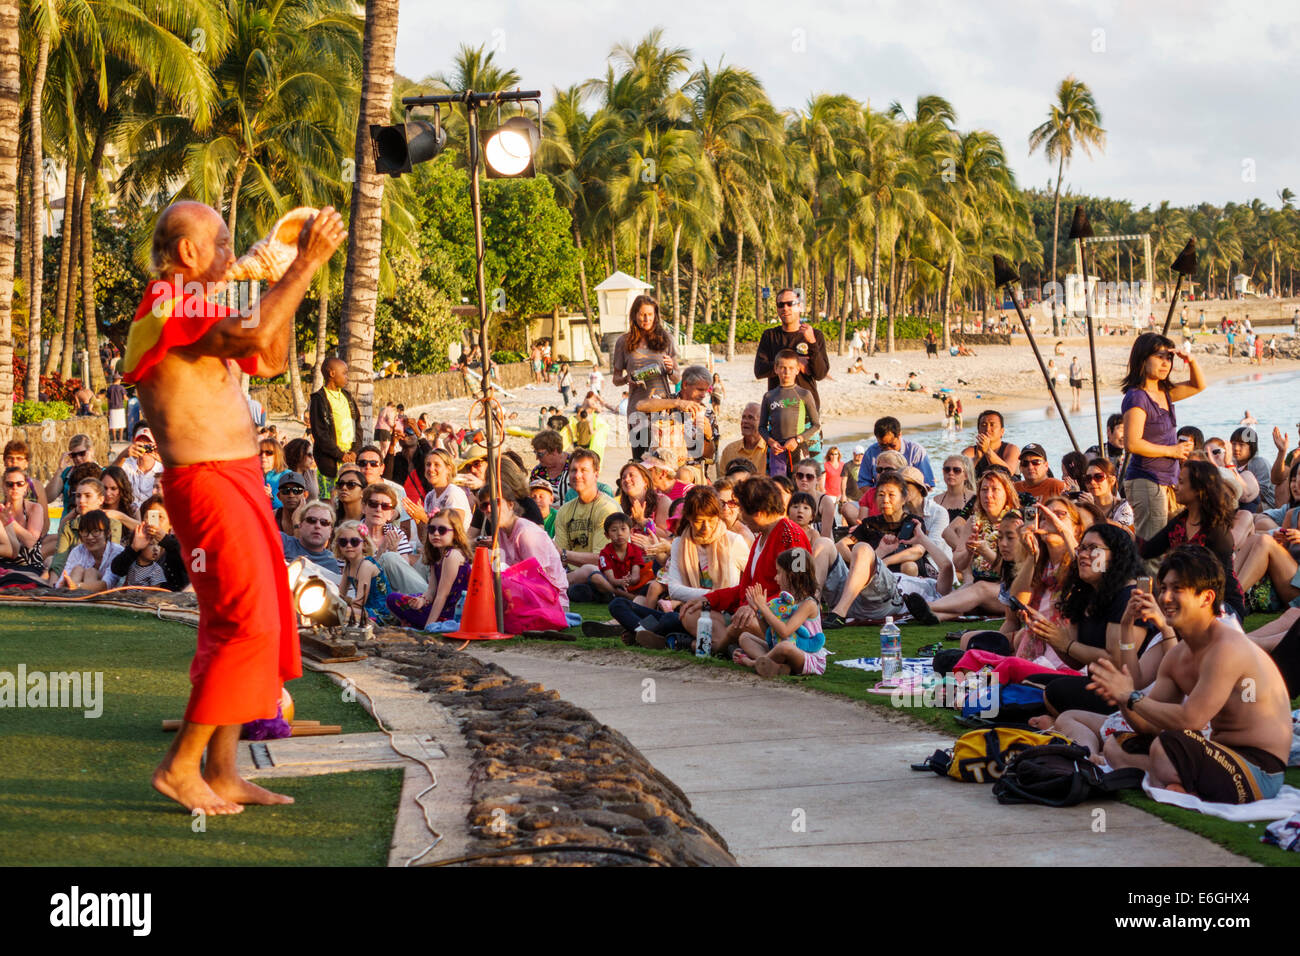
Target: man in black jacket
[
  {"x": 805, "y": 341},
  {"x": 335, "y": 435}
]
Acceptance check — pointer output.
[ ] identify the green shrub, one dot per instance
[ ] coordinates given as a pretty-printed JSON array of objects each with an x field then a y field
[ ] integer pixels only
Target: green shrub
[
  {"x": 505, "y": 356},
  {"x": 750, "y": 330},
  {"x": 33, "y": 413}
]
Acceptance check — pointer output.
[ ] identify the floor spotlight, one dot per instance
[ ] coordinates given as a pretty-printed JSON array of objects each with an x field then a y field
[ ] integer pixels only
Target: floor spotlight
[
  {"x": 314, "y": 598},
  {"x": 511, "y": 148}
]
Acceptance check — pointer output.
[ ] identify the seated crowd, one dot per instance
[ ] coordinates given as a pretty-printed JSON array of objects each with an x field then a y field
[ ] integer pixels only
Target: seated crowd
[{"x": 1124, "y": 599}]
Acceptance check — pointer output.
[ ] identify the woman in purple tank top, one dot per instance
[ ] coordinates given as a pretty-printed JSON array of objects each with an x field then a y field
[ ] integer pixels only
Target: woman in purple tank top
[{"x": 1151, "y": 427}]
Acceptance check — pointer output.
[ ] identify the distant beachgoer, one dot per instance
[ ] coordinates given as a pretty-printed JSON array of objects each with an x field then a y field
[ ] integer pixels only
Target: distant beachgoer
[{"x": 1248, "y": 419}]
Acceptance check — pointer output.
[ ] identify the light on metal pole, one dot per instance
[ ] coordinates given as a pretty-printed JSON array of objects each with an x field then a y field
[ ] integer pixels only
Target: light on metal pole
[{"x": 509, "y": 152}]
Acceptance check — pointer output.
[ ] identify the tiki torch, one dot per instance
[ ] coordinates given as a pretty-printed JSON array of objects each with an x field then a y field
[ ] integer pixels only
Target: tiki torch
[
  {"x": 1004, "y": 274},
  {"x": 1081, "y": 229},
  {"x": 1184, "y": 265}
]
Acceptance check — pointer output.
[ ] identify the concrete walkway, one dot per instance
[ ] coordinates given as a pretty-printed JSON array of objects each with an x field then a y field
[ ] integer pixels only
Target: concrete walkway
[{"x": 790, "y": 777}]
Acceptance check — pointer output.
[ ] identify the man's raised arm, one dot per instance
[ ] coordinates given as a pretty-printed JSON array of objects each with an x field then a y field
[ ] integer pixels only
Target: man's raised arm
[{"x": 264, "y": 333}]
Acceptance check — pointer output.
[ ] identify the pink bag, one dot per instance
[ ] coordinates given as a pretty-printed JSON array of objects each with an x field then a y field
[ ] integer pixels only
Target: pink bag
[{"x": 532, "y": 601}]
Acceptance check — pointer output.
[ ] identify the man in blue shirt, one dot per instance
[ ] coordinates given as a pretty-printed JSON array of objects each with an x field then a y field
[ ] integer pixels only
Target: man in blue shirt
[{"x": 889, "y": 438}]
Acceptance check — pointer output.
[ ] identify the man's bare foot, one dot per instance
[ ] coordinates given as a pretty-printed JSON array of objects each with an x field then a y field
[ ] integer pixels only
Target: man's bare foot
[
  {"x": 1041, "y": 722},
  {"x": 766, "y": 667},
  {"x": 193, "y": 793},
  {"x": 239, "y": 790}
]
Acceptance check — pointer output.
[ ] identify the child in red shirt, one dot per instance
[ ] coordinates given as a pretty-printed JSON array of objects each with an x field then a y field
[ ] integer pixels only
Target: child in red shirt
[{"x": 625, "y": 571}]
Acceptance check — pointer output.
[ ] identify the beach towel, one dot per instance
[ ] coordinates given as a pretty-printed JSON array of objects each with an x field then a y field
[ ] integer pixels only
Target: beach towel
[
  {"x": 914, "y": 665},
  {"x": 1285, "y": 804}
]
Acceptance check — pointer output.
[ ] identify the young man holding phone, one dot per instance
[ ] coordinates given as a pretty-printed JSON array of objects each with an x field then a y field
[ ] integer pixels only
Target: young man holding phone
[
  {"x": 1215, "y": 675},
  {"x": 141, "y": 463}
]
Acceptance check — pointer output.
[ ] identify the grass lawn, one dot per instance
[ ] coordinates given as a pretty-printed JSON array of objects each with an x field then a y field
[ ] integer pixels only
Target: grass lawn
[
  {"x": 853, "y": 642},
  {"x": 75, "y": 791}
]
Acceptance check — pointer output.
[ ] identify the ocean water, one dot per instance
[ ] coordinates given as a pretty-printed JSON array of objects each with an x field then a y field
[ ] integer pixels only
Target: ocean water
[{"x": 1272, "y": 397}]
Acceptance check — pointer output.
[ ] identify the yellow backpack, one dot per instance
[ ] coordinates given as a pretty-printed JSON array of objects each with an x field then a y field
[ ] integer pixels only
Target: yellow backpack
[{"x": 982, "y": 755}]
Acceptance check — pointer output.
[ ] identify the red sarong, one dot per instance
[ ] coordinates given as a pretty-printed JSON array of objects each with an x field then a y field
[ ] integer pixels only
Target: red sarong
[{"x": 248, "y": 635}]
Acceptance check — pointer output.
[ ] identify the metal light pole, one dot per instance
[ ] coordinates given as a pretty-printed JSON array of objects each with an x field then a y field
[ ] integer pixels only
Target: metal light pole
[
  {"x": 1081, "y": 229},
  {"x": 473, "y": 102}
]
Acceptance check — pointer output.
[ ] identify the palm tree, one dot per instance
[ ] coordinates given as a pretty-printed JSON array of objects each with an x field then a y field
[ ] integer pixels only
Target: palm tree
[
  {"x": 1073, "y": 120},
  {"x": 361, "y": 275},
  {"x": 10, "y": 120},
  {"x": 573, "y": 154},
  {"x": 281, "y": 121},
  {"x": 740, "y": 136},
  {"x": 44, "y": 22}
]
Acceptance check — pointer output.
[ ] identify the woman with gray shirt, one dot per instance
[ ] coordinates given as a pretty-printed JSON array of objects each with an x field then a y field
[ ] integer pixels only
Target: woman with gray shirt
[{"x": 645, "y": 360}]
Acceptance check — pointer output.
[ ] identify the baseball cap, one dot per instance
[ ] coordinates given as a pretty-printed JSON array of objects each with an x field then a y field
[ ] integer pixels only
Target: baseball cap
[
  {"x": 295, "y": 478},
  {"x": 859, "y": 449},
  {"x": 1033, "y": 450},
  {"x": 541, "y": 484}
]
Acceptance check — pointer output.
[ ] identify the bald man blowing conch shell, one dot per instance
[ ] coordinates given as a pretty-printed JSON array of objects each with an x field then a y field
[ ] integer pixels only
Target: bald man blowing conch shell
[{"x": 182, "y": 354}]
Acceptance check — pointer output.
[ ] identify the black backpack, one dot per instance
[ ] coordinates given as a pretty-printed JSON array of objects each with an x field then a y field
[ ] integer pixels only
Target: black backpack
[{"x": 1059, "y": 775}]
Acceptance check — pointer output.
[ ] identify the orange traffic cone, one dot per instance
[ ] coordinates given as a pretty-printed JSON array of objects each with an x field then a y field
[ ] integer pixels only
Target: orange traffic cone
[{"x": 478, "y": 622}]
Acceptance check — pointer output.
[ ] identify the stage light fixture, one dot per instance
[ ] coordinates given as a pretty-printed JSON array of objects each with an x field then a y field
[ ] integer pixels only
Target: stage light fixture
[
  {"x": 511, "y": 148},
  {"x": 398, "y": 148},
  {"x": 316, "y": 599}
]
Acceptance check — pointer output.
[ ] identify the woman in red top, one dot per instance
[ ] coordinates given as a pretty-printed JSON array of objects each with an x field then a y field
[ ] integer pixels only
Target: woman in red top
[
  {"x": 833, "y": 465},
  {"x": 762, "y": 513}
]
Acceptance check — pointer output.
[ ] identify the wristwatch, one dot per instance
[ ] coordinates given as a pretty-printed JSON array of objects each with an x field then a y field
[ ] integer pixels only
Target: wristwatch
[
  {"x": 1134, "y": 697},
  {"x": 705, "y": 606}
]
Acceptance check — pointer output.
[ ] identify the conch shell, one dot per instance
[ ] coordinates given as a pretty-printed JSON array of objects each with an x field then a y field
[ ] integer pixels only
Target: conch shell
[{"x": 269, "y": 258}]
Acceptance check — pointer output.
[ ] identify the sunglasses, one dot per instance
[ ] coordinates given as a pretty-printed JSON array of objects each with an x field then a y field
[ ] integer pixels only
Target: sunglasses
[
  {"x": 439, "y": 529},
  {"x": 323, "y": 522},
  {"x": 15, "y": 484},
  {"x": 292, "y": 490},
  {"x": 1032, "y": 462},
  {"x": 369, "y": 462},
  {"x": 786, "y": 304},
  {"x": 1093, "y": 477},
  {"x": 953, "y": 471},
  {"x": 267, "y": 451},
  {"x": 731, "y": 504},
  {"x": 350, "y": 542},
  {"x": 810, "y": 475},
  {"x": 347, "y": 484},
  {"x": 77, "y": 455},
  {"x": 381, "y": 505}
]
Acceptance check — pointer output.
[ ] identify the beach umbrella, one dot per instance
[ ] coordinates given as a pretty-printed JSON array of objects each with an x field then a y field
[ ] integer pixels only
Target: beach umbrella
[
  {"x": 1184, "y": 265},
  {"x": 1081, "y": 229},
  {"x": 1004, "y": 274}
]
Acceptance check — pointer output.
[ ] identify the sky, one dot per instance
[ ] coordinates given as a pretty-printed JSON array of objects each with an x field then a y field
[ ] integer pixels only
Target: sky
[{"x": 1198, "y": 99}]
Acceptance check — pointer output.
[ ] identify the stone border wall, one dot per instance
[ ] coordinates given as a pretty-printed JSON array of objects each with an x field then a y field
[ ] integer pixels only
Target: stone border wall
[
  {"x": 49, "y": 440},
  {"x": 410, "y": 390},
  {"x": 550, "y": 784}
]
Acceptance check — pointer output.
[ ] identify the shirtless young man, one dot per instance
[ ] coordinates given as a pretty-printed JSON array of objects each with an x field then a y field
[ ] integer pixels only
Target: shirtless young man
[
  {"x": 989, "y": 447},
  {"x": 1215, "y": 675},
  {"x": 180, "y": 354}
]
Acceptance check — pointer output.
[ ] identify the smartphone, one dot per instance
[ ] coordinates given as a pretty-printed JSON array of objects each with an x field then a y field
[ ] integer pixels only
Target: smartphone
[
  {"x": 1144, "y": 584},
  {"x": 1031, "y": 514},
  {"x": 1017, "y": 604},
  {"x": 907, "y": 530}
]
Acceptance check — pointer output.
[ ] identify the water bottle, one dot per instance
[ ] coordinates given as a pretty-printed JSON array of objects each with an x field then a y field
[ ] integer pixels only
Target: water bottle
[
  {"x": 704, "y": 635},
  {"x": 891, "y": 653}
]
